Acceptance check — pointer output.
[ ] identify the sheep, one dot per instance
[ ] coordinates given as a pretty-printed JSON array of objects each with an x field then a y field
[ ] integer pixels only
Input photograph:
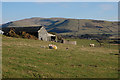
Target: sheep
[{"x": 92, "y": 45}]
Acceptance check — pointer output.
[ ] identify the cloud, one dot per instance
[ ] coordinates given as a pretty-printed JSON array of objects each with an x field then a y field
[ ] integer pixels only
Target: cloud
[{"x": 60, "y": 0}]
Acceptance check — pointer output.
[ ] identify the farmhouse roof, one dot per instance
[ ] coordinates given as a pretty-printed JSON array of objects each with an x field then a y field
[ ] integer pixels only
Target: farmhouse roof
[
  {"x": 50, "y": 34},
  {"x": 26, "y": 29}
]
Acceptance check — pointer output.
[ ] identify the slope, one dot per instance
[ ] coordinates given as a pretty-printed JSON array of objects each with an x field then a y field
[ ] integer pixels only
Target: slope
[{"x": 69, "y": 26}]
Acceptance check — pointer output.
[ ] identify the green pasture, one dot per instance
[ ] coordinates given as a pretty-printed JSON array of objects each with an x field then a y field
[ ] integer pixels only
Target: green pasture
[{"x": 25, "y": 58}]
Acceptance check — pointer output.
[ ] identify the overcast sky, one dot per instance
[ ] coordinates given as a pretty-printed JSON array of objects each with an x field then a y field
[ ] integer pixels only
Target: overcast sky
[{"x": 12, "y": 11}]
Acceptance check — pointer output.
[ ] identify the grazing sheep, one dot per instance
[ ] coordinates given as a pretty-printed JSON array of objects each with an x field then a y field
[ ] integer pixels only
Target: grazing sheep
[{"x": 92, "y": 45}]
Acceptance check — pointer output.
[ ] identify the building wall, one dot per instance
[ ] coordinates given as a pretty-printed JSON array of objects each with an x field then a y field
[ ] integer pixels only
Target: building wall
[
  {"x": 69, "y": 42},
  {"x": 49, "y": 38},
  {"x": 42, "y": 34}
]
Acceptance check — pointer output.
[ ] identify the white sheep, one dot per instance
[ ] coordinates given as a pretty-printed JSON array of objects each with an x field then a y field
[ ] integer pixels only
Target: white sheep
[{"x": 92, "y": 45}]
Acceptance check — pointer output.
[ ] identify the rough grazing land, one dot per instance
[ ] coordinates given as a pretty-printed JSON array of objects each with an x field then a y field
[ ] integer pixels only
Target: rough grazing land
[
  {"x": 69, "y": 26},
  {"x": 24, "y": 58}
]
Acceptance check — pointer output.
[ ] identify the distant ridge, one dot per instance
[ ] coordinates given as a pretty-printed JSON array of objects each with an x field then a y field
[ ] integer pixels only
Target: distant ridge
[{"x": 69, "y": 26}]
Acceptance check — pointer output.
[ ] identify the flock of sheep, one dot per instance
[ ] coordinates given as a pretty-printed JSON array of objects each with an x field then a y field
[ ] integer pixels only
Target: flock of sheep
[{"x": 51, "y": 46}]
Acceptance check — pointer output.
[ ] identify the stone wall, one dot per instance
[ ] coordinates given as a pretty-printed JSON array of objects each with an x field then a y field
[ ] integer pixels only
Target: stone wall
[{"x": 69, "y": 42}]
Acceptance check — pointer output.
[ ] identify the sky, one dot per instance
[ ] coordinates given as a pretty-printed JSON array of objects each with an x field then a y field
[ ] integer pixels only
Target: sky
[
  {"x": 60, "y": 0},
  {"x": 12, "y": 11}
]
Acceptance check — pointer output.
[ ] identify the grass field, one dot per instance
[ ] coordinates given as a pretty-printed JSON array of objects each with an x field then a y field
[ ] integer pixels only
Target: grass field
[{"x": 24, "y": 58}]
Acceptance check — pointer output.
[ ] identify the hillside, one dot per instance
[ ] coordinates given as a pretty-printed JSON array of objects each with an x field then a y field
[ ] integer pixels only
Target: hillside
[
  {"x": 24, "y": 58},
  {"x": 69, "y": 26}
]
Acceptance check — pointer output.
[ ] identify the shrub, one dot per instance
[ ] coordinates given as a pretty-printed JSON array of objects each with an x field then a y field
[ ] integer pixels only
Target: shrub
[
  {"x": 23, "y": 34},
  {"x": 12, "y": 33},
  {"x": 28, "y": 36}
]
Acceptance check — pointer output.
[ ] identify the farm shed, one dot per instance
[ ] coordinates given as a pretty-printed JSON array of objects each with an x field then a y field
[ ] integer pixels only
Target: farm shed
[
  {"x": 38, "y": 31},
  {"x": 45, "y": 36}
]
